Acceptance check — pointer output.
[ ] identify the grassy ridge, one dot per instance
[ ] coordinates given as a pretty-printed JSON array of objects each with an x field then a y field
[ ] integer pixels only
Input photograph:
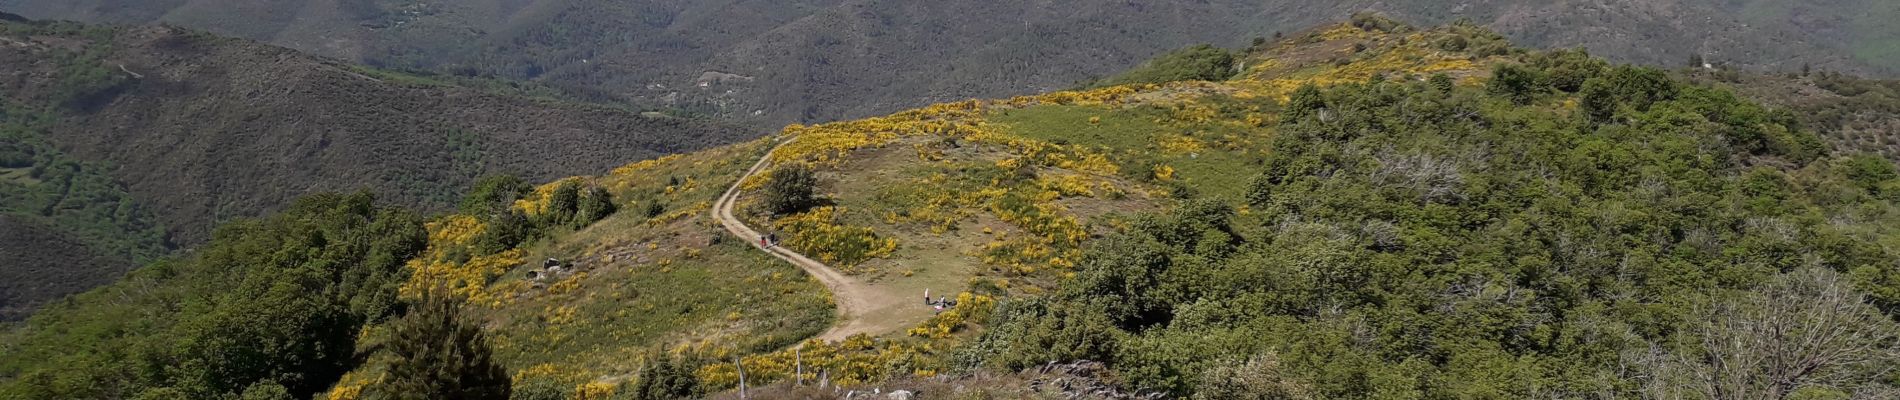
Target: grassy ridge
[
  {"x": 1373, "y": 212},
  {"x": 1408, "y": 237}
]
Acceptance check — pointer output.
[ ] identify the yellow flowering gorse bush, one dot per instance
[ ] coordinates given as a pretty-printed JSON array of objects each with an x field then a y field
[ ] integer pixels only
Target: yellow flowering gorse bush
[
  {"x": 817, "y": 233},
  {"x": 467, "y": 279},
  {"x": 536, "y": 203}
]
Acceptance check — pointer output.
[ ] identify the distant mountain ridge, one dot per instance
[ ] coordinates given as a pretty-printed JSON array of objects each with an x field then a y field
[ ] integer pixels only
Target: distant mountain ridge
[{"x": 822, "y": 60}]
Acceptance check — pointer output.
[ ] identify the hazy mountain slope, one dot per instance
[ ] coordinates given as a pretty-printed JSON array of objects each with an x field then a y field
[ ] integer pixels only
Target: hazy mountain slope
[
  {"x": 773, "y": 62},
  {"x": 116, "y": 145},
  {"x": 46, "y": 263},
  {"x": 65, "y": 225},
  {"x": 1855, "y": 114},
  {"x": 208, "y": 128}
]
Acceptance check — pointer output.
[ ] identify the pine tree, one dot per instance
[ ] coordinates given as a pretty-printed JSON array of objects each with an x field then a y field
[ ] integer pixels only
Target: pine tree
[
  {"x": 440, "y": 356},
  {"x": 666, "y": 378}
]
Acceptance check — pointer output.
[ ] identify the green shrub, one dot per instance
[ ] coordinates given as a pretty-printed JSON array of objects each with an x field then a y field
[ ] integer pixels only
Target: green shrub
[
  {"x": 540, "y": 389},
  {"x": 439, "y": 355},
  {"x": 563, "y": 205},
  {"x": 266, "y": 391},
  {"x": 597, "y": 204},
  {"x": 1306, "y": 101},
  {"x": 1393, "y": 250},
  {"x": 666, "y": 378},
  {"x": 791, "y": 189},
  {"x": 1375, "y": 22},
  {"x": 493, "y": 194},
  {"x": 1567, "y": 70},
  {"x": 1194, "y": 63},
  {"x": 1518, "y": 83}
]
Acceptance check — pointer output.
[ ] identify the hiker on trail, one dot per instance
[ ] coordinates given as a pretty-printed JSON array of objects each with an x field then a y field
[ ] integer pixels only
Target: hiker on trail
[
  {"x": 763, "y": 243},
  {"x": 926, "y": 297},
  {"x": 772, "y": 238}
]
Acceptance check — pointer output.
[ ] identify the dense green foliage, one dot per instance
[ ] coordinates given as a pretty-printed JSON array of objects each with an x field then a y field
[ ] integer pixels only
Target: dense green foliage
[
  {"x": 76, "y": 228},
  {"x": 596, "y": 204},
  {"x": 569, "y": 207},
  {"x": 274, "y": 302},
  {"x": 666, "y": 378},
  {"x": 39, "y": 181},
  {"x": 90, "y": 229},
  {"x": 437, "y": 354},
  {"x": 1855, "y": 114},
  {"x": 790, "y": 189},
  {"x": 1574, "y": 231},
  {"x": 493, "y": 195},
  {"x": 1194, "y": 63},
  {"x": 85, "y": 81}
]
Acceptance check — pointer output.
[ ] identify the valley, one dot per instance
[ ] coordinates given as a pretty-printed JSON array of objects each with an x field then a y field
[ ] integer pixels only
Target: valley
[
  {"x": 816, "y": 61},
  {"x": 1358, "y": 209},
  {"x": 139, "y": 141}
]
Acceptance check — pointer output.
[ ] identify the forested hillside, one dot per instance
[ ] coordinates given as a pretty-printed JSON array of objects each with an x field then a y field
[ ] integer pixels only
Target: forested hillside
[
  {"x": 65, "y": 224},
  {"x": 776, "y": 62},
  {"x": 339, "y": 297},
  {"x": 132, "y": 141},
  {"x": 1360, "y": 210},
  {"x": 274, "y": 302},
  {"x": 1855, "y": 114}
]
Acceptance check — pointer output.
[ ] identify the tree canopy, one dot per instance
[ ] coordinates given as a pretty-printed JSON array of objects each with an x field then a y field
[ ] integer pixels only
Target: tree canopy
[
  {"x": 276, "y": 302},
  {"x": 1199, "y": 62},
  {"x": 1420, "y": 240}
]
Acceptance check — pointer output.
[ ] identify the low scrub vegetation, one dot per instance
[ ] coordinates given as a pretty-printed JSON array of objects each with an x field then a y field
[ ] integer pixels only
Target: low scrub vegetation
[
  {"x": 1405, "y": 240},
  {"x": 1428, "y": 217},
  {"x": 1195, "y": 63}
]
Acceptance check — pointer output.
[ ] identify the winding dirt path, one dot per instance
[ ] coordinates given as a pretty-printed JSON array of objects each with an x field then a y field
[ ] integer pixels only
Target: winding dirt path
[{"x": 854, "y": 298}]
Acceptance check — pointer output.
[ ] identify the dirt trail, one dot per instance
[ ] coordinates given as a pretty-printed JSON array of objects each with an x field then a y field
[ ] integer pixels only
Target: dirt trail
[{"x": 855, "y": 299}]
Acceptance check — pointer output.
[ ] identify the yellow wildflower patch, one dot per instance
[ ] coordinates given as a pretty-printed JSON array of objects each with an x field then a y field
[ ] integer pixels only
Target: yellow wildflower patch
[
  {"x": 594, "y": 391},
  {"x": 1164, "y": 173},
  {"x": 818, "y": 233},
  {"x": 644, "y": 165},
  {"x": 465, "y": 279},
  {"x": 536, "y": 203},
  {"x": 1180, "y": 144}
]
